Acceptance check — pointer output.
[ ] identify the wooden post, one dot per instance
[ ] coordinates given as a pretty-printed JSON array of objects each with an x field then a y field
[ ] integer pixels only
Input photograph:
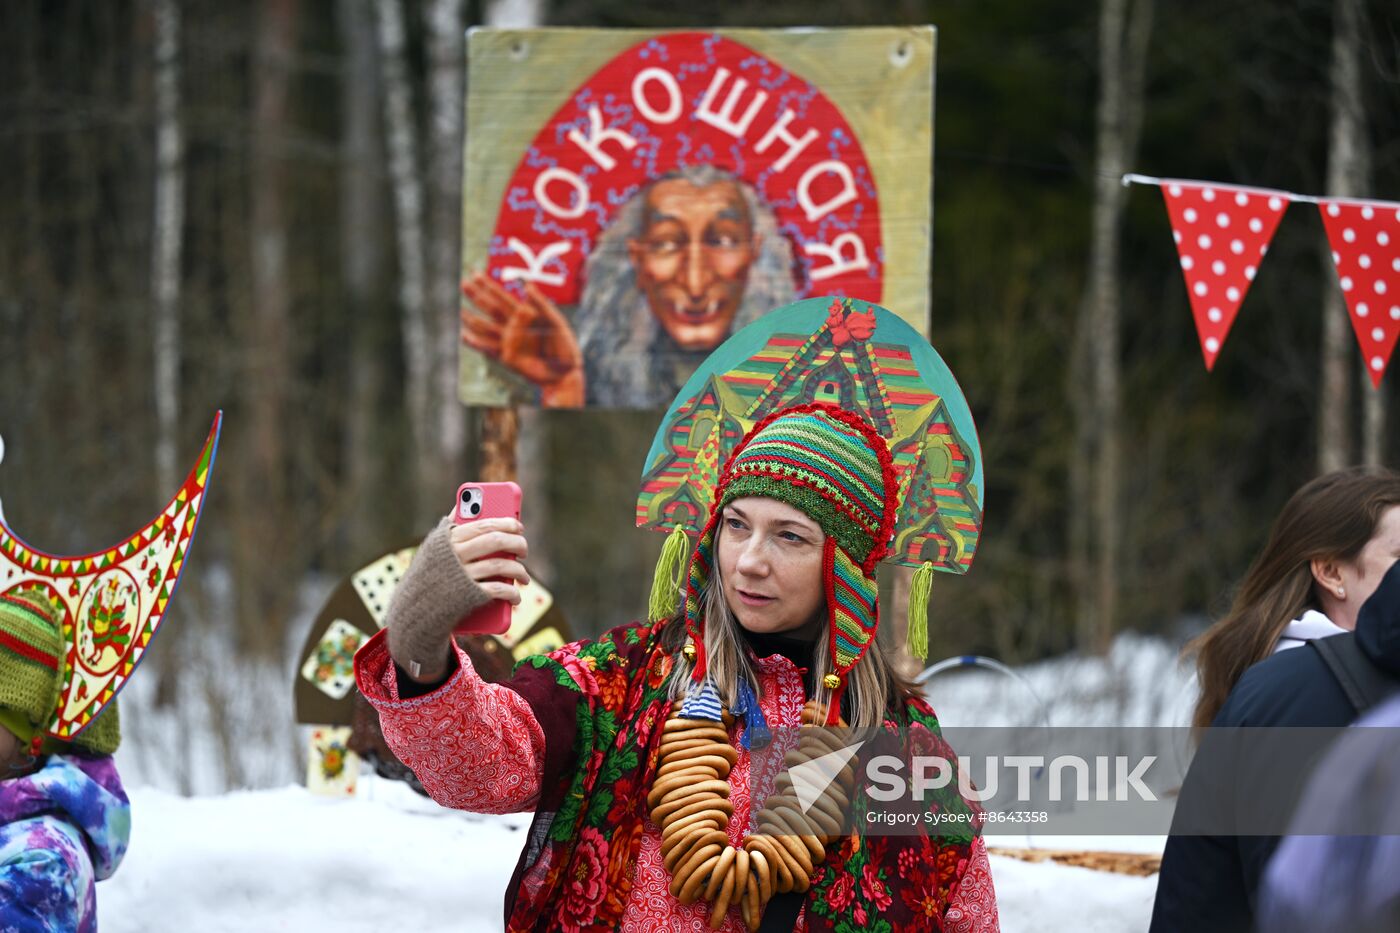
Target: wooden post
[{"x": 500, "y": 430}]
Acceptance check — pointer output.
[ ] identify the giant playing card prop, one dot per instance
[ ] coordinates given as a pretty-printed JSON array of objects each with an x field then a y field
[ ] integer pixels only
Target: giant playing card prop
[
  {"x": 845, "y": 352},
  {"x": 112, "y": 601}
]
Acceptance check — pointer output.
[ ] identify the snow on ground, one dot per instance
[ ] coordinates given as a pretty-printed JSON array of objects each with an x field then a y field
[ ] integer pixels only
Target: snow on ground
[
  {"x": 1044, "y": 897},
  {"x": 252, "y": 853},
  {"x": 283, "y": 859},
  {"x": 1140, "y": 682}
]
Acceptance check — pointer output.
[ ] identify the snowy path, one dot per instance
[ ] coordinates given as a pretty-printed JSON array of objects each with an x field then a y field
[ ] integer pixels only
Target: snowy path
[{"x": 285, "y": 860}]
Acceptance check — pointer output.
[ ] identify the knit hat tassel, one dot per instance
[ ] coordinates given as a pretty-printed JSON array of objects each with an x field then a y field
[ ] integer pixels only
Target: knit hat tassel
[
  {"x": 833, "y": 712},
  {"x": 666, "y": 581},
  {"x": 918, "y": 610}
]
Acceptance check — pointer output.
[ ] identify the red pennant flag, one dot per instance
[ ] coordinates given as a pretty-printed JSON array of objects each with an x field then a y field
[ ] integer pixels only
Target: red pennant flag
[
  {"x": 1365, "y": 238},
  {"x": 1222, "y": 233}
]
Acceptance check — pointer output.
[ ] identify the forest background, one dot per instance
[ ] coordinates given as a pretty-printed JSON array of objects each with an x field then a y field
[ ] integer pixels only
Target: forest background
[{"x": 256, "y": 207}]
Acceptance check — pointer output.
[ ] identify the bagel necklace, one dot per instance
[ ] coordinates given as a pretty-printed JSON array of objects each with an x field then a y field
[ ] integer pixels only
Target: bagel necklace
[{"x": 689, "y": 800}]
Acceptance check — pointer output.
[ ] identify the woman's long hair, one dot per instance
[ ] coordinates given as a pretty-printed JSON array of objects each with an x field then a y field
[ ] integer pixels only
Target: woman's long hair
[
  {"x": 1330, "y": 518},
  {"x": 875, "y": 688}
]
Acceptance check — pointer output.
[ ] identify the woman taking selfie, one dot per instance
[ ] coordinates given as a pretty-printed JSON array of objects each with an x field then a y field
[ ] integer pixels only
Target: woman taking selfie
[{"x": 636, "y": 750}]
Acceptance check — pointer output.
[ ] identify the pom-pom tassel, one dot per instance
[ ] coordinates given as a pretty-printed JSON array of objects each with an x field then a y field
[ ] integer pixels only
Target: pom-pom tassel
[
  {"x": 918, "y": 610},
  {"x": 833, "y": 711},
  {"x": 666, "y": 581}
]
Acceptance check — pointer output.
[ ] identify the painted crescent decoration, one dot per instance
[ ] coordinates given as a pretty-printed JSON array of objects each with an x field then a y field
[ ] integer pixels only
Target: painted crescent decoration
[
  {"x": 849, "y": 353},
  {"x": 112, "y": 601}
]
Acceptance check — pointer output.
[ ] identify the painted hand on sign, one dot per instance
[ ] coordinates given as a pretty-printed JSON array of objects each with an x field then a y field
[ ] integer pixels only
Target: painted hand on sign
[
  {"x": 671, "y": 278},
  {"x": 526, "y": 335}
]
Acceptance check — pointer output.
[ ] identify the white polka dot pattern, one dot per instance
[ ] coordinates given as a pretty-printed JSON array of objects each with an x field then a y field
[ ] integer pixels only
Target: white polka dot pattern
[
  {"x": 1365, "y": 240},
  {"x": 1218, "y": 269}
]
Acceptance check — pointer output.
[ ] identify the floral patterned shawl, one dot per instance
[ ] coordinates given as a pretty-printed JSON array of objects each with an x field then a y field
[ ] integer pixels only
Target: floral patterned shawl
[{"x": 600, "y": 705}]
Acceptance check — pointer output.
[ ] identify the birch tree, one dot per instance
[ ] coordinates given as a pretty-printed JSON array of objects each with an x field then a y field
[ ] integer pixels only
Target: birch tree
[
  {"x": 531, "y": 446},
  {"x": 1125, "y": 27},
  {"x": 271, "y": 356},
  {"x": 515, "y": 14},
  {"x": 446, "y": 82},
  {"x": 166, "y": 238},
  {"x": 362, "y": 265},
  {"x": 402, "y": 147},
  {"x": 1348, "y": 170}
]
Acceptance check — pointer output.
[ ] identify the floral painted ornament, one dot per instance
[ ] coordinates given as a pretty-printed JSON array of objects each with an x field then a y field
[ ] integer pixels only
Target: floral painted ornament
[{"x": 110, "y": 603}]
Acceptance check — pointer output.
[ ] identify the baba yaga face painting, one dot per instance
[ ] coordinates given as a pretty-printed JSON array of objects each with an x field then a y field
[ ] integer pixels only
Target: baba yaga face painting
[{"x": 632, "y": 199}]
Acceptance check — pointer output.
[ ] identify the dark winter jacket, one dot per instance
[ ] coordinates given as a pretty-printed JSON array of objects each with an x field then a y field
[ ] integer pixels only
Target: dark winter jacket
[
  {"x": 1360, "y": 874},
  {"x": 1209, "y": 883}
]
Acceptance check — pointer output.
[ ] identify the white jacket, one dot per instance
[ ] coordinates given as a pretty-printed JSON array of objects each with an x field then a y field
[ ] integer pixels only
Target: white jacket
[{"x": 1312, "y": 624}]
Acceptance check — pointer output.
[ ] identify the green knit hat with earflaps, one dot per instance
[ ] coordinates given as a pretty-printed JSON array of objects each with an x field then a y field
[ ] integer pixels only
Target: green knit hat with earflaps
[
  {"x": 31, "y": 675},
  {"x": 834, "y": 467}
]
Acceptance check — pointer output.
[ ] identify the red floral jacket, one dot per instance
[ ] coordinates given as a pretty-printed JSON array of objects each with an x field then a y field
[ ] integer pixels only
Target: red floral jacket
[{"x": 574, "y": 735}]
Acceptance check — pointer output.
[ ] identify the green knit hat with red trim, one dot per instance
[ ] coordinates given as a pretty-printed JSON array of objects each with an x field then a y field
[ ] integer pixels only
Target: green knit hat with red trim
[
  {"x": 834, "y": 467},
  {"x": 31, "y": 675}
]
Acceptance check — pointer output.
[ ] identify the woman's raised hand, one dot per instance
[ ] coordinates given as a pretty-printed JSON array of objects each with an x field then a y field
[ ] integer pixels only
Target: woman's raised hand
[
  {"x": 490, "y": 552},
  {"x": 434, "y": 595}
]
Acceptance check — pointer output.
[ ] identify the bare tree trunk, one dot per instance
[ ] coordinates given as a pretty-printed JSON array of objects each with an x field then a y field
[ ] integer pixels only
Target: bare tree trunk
[
  {"x": 531, "y": 444},
  {"x": 408, "y": 216},
  {"x": 264, "y": 527},
  {"x": 515, "y": 14},
  {"x": 362, "y": 265},
  {"x": 271, "y": 348},
  {"x": 1124, "y": 29},
  {"x": 446, "y": 85},
  {"x": 167, "y": 238},
  {"x": 1346, "y": 177},
  {"x": 166, "y": 250},
  {"x": 1372, "y": 420}
]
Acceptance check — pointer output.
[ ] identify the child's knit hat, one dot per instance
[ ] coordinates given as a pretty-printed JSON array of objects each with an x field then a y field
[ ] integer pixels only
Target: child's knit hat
[{"x": 31, "y": 675}]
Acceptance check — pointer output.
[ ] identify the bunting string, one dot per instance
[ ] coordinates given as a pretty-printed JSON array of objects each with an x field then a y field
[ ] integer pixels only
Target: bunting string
[{"x": 1222, "y": 233}]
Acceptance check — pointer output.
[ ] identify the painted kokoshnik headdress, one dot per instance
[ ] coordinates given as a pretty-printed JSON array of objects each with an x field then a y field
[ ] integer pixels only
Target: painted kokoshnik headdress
[
  {"x": 73, "y": 629},
  {"x": 844, "y": 411}
]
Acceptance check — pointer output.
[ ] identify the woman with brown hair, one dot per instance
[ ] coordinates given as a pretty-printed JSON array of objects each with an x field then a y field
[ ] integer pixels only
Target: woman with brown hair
[
  {"x": 1328, "y": 569},
  {"x": 1325, "y": 555}
]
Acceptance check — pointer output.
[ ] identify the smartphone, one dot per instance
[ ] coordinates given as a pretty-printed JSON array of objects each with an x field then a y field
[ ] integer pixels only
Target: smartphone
[{"x": 476, "y": 501}]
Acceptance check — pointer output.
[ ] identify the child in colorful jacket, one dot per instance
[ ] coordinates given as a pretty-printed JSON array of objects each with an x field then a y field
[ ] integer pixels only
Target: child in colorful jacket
[{"x": 64, "y": 817}]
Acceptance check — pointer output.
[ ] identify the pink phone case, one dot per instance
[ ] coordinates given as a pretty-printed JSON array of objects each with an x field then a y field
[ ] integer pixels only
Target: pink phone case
[{"x": 474, "y": 502}]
